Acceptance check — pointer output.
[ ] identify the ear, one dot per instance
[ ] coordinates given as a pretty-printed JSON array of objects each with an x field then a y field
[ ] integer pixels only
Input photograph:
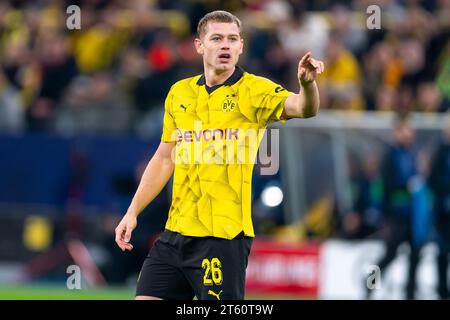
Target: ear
[
  {"x": 198, "y": 45},
  {"x": 242, "y": 46}
]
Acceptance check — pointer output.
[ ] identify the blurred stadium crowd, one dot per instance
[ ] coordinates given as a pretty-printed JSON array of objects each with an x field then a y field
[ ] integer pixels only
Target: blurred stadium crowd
[
  {"x": 111, "y": 77},
  {"x": 134, "y": 50}
]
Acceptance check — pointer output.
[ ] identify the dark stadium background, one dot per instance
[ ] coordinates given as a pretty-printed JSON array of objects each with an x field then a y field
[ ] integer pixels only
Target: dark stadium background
[{"x": 81, "y": 114}]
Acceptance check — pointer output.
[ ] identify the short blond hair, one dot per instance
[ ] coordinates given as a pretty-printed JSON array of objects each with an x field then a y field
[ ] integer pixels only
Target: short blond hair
[{"x": 217, "y": 16}]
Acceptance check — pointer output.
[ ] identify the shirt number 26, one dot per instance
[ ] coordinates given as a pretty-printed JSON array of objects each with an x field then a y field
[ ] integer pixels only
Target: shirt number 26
[{"x": 213, "y": 273}]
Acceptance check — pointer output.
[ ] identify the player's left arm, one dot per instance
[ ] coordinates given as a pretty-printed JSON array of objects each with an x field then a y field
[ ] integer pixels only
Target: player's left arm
[{"x": 306, "y": 103}]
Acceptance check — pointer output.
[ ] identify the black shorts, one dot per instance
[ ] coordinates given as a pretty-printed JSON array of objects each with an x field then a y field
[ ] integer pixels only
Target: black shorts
[{"x": 181, "y": 267}]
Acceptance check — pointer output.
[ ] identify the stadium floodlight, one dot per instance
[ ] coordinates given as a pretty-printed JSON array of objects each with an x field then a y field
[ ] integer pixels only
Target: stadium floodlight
[{"x": 272, "y": 196}]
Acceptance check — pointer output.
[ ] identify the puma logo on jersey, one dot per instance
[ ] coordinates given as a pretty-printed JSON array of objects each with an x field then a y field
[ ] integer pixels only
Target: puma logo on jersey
[
  {"x": 217, "y": 295},
  {"x": 182, "y": 106}
]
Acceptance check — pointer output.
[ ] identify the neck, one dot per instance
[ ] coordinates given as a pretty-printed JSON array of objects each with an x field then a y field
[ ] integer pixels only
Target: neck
[{"x": 216, "y": 77}]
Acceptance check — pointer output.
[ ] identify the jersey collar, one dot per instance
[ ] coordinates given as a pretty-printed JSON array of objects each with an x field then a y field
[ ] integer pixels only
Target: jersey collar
[{"x": 237, "y": 74}]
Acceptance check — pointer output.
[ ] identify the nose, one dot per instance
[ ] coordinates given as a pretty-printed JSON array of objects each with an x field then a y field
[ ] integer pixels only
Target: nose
[{"x": 225, "y": 44}]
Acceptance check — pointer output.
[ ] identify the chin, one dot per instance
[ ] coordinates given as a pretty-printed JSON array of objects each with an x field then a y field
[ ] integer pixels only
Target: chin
[{"x": 225, "y": 67}]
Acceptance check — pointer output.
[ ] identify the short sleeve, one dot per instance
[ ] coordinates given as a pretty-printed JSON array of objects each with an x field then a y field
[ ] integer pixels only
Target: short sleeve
[
  {"x": 269, "y": 99},
  {"x": 169, "y": 126}
]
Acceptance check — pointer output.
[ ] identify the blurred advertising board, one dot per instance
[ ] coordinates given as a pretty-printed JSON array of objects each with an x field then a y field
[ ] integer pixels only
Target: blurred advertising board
[{"x": 291, "y": 269}]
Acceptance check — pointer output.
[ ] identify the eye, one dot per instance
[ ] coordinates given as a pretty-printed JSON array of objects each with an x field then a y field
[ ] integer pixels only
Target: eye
[{"x": 215, "y": 38}]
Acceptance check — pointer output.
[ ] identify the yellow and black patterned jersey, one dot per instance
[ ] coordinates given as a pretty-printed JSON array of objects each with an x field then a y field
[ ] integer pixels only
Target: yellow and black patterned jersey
[{"x": 217, "y": 132}]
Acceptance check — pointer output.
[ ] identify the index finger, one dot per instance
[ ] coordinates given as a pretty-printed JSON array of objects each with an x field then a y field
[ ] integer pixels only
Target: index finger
[{"x": 305, "y": 57}]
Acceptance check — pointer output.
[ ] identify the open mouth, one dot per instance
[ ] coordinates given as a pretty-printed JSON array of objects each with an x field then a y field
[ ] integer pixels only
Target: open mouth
[{"x": 224, "y": 56}]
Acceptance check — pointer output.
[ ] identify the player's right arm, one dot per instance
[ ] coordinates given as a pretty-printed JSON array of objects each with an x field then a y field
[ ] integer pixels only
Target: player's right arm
[{"x": 156, "y": 175}]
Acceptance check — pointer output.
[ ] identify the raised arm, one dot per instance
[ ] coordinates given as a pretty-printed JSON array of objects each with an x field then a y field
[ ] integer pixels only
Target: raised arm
[
  {"x": 306, "y": 103},
  {"x": 155, "y": 177}
]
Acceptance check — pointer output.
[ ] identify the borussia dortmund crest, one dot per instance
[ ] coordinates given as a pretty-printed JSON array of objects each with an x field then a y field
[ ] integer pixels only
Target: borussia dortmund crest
[{"x": 230, "y": 103}]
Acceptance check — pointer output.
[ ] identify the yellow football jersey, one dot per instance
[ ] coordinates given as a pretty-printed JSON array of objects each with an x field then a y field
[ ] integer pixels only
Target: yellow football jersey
[{"x": 217, "y": 132}]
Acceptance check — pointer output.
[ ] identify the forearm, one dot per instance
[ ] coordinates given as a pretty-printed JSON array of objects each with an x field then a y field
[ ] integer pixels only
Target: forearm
[
  {"x": 305, "y": 104},
  {"x": 155, "y": 177},
  {"x": 309, "y": 101}
]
